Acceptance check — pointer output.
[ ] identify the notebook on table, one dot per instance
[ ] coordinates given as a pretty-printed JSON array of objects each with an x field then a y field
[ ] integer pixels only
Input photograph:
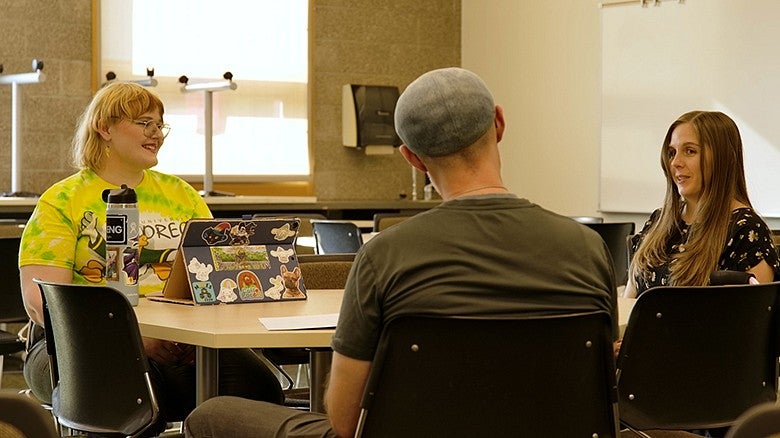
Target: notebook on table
[{"x": 235, "y": 261}]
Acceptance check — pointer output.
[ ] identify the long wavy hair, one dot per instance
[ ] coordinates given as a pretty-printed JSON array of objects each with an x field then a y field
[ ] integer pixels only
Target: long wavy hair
[
  {"x": 723, "y": 180},
  {"x": 119, "y": 100}
]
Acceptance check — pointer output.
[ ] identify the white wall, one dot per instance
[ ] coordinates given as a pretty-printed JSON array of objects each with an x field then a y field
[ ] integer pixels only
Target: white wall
[
  {"x": 654, "y": 68},
  {"x": 542, "y": 59}
]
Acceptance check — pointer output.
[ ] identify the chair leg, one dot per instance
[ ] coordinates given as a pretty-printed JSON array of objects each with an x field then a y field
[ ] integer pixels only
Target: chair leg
[
  {"x": 288, "y": 377},
  {"x": 636, "y": 431},
  {"x": 277, "y": 367},
  {"x": 303, "y": 373}
]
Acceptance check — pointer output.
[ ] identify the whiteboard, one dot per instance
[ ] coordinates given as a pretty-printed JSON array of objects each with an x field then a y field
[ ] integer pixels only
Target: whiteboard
[{"x": 662, "y": 61}]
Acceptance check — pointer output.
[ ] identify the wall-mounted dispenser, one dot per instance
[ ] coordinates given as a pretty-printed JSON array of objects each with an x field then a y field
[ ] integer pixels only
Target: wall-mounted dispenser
[{"x": 367, "y": 118}]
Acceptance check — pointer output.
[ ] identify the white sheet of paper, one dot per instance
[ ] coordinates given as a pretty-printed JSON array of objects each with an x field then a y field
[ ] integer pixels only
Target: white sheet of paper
[{"x": 325, "y": 320}]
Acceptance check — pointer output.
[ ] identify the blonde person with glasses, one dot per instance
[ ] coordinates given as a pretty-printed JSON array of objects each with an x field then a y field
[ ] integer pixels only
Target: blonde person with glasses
[{"x": 116, "y": 142}]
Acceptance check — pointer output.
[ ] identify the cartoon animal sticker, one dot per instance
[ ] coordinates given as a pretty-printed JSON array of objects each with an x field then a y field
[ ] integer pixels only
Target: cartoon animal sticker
[
  {"x": 275, "y": 291},
  {"x": 217, "y": 234},
  {"x": 239, "y": 234},
  {"x": 283, "y": 255},
  {"x": 130, "y": 265},
  {"x": 283, "y": 232},
  {"x": 112, "y": 259},
  {"x": 201, "y": 270},
  {"x": 204, "y": 291},
  {"x": 249, "y": 287},
  {"x": 227, "y": 291},
  {"x": 291, "y": 281}
]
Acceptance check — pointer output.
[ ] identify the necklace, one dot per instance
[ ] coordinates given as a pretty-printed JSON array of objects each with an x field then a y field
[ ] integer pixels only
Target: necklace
[{"x": 459, "y": 194}]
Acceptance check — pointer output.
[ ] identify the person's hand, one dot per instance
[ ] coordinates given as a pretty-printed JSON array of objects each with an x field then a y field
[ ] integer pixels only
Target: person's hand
[
  {"x": 169, "y": 353},
  {"x": 616, "y": 347}
]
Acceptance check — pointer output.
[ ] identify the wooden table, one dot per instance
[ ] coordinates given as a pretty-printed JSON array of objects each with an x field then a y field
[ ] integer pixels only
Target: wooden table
[{"x": 210, "y": 328}]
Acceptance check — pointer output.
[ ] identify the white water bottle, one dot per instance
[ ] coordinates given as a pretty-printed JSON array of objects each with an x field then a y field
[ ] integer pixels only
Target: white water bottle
[{"x": 122, "y": 232}]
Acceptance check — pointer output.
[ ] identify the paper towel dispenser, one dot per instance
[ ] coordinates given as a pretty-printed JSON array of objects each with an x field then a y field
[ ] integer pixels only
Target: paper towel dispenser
[{"x": 367, "y": 117}]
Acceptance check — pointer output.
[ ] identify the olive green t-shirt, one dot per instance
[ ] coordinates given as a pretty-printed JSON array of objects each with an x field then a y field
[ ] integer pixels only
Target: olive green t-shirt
[{"x": 488, "y": 255}]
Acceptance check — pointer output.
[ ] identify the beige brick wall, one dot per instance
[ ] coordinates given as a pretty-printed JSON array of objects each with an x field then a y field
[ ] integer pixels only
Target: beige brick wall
[
  {"x": 59, "y": 33},
  {"x": 379, "y": 43},
  {"x": 359, "y": 42}
]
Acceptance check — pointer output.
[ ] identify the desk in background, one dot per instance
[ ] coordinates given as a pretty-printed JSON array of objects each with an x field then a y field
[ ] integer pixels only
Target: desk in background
[{"x": 237, "y": 206}]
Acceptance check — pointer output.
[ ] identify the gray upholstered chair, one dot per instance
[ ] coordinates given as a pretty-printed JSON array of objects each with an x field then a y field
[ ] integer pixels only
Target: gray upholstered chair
[
  {"x": 325, "y": 271},
  {"x": 383, "y": 221},
  {"x": 318, "y": 271}
]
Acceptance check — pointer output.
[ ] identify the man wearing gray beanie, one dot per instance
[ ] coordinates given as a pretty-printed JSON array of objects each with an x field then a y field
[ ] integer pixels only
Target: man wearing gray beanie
[{"x": 482, "y": 251}]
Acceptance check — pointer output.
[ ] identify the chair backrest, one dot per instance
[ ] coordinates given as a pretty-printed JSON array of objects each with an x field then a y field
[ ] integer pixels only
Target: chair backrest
[
  {"x": 325, "y": 271},
  {"x": 11, "y": 304},
  {"x": 464, "y": 377},
  {"x": 615, "y": 235},
  {"x": 697, "y": 357},
  {"x": 100, "y": 373},
  {"x": 383, "y": 221},
  {"x": 336, "y": 237},
  {"x": 22, "y": 417},
  {"x": 760, "y": 421}
]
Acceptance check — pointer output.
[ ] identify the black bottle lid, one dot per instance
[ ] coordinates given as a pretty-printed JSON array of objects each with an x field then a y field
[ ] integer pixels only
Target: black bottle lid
[{"x": 122, "y": 195}]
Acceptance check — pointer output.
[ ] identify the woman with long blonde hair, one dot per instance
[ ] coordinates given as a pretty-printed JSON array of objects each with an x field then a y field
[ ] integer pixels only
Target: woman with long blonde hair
[{"x": 707, "y": 222}]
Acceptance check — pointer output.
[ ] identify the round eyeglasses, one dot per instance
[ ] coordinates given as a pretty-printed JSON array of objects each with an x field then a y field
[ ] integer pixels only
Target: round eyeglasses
[{"x": 151, "y": 127}]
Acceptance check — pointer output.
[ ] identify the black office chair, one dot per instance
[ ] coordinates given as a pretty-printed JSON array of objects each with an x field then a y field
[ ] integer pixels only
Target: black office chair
[
  {"x": 11, "y": 304},
  {"x": 697, "y": 357},
  {"x": 21, "y": 417},
  {"x": 336, "y": 237},
  {"x": 383, "y": 221},
  {"x": 615, "y": 235},
  {"x": 544, "y": 376},
  {"x": 100, "y": 373}
]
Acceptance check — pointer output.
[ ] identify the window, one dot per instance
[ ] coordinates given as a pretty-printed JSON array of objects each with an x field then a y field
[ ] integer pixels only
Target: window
[{"x": 260, "y": 130}]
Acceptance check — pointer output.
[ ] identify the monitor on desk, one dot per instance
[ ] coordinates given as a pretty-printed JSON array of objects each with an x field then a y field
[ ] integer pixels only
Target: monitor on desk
[{"x": 235, "y": 261}]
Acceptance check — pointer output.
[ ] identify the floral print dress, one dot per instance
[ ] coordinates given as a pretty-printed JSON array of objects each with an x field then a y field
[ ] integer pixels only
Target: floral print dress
[{"x": 749, "y": 242}]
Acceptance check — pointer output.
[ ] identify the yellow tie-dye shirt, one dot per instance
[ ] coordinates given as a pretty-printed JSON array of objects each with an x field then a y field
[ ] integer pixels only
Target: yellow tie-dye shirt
[{"x": 67, "y": 228}]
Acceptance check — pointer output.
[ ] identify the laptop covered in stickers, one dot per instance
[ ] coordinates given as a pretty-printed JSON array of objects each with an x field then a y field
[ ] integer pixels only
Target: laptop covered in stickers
[{"x": 235, "y": 261}]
